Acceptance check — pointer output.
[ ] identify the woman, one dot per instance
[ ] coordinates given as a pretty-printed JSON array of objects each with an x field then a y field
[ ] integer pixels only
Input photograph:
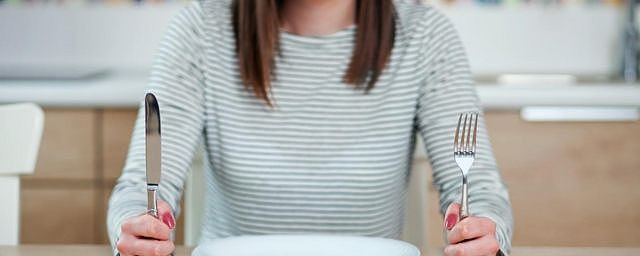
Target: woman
[{"x": 308, "y": 110}]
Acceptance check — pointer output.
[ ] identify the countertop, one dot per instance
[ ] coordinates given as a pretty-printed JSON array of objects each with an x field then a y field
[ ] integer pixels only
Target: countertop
[
  {"x": 114, "y": 89},
  {"x": 125, "y": 89},
  {"x": 78, "y": 250}
]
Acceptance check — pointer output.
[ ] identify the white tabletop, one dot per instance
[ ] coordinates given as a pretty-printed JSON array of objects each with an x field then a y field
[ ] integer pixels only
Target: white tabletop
[{"x": 73, "y": 250}]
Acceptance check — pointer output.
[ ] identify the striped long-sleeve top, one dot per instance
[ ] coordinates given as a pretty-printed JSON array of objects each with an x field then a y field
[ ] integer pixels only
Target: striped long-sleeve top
[{"x": 327, "y": 158}]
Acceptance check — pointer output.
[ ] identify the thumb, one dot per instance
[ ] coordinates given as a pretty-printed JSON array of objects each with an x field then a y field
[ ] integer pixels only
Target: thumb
[
  {"x": 166, "y": 214},
  {"x": 451, "y": 216}
]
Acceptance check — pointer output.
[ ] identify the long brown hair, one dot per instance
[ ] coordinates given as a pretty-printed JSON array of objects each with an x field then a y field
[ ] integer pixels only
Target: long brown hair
[{"x": 256, "y": 24}]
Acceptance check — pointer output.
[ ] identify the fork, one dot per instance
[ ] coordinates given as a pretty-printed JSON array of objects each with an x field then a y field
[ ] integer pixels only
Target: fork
[{"x": 464, "y": 152}]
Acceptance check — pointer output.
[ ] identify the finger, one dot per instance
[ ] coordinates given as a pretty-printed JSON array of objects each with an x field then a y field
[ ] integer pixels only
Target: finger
[
  {"x": 166, "y": 214},
  {"x": 451, "y": 216},
  {"x": 123, "y": 246},
  {"x": 123, "y": 254},
  {"x": 486, "y": 245},
  {"x": 137, "y": 246},
  {"x": 470, "y": 228},
  {"x": 151, "y": 247},
  {"x": 146, "y": 226}
]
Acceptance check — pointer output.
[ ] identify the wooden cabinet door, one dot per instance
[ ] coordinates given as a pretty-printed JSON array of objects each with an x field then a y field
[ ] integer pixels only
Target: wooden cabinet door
[
  {"x": 67, "y": 149},
  {"x": 571, "y": 184},
  {"x": 58, "y": 202}
]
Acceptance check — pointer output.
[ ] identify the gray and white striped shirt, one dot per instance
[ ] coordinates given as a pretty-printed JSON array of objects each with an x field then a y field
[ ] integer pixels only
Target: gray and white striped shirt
[{"x": 328, "y": 158}]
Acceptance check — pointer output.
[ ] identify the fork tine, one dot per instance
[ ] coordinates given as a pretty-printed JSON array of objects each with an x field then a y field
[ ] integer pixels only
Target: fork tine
[
  {"x": 475, "y": 133},
  {"x": 456, "y": 144},
  {"x": 463, "y": 142},
  {"x": 469, "y": 147}
]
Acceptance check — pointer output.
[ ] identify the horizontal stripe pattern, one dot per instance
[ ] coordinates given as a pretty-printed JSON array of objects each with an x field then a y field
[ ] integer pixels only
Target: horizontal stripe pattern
[{"x": 327, "y": 158}]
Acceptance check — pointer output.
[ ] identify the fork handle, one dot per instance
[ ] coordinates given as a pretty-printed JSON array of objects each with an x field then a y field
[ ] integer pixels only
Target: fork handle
[{"x": 464, "y": 207}]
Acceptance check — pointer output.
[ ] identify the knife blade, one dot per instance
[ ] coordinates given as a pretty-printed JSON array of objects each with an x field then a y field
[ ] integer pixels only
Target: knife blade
[{"x": 153, "y": 151}]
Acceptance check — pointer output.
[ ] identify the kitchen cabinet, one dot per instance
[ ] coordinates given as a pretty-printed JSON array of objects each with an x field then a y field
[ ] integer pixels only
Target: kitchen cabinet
[
  {"x": 117, "y": 125},
  {"x": 58, "y": 214},
  {"x": 58, "y": 202},
  {"x": 571, "y": 184},
  {"x": 67, "y": 149},
  {"x": 81, "y": 156}
]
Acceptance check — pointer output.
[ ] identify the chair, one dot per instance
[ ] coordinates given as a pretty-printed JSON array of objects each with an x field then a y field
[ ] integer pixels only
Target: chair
[{"x": 20, "y": 133}]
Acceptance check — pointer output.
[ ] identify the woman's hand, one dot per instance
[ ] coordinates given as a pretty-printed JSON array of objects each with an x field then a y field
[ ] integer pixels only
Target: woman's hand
[
  {"x": 145, "y": 235},
  {"x": 473, "y": 236}
]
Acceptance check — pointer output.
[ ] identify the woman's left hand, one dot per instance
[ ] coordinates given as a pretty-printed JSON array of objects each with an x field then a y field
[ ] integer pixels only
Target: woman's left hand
[{"x": 473, "y": 236}]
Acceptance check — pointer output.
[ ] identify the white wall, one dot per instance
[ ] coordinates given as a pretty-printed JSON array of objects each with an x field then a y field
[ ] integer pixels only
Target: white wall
[
  {"x": 575, "y": 39},
  {"x": 123, "y": 37}
]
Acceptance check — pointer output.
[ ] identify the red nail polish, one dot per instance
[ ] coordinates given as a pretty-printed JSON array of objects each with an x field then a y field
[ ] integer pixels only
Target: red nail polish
[
  {"x": 450, "y": 221},
  {"x": 167, "y": 218}
]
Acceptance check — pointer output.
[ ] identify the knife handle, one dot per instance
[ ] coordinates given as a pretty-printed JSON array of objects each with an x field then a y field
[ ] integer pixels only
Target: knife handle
[
  {"x": 152, "y": 203},
  {"x": 152, "y": 200}
]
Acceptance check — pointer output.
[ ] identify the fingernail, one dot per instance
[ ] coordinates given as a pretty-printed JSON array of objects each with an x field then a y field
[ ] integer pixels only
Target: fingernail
[
  {"x": 450, "y": 221},
  {"x": 167, "y": 218}
]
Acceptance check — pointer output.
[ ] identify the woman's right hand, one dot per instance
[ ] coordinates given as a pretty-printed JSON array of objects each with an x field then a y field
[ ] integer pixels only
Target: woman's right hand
[{"x": 145, "y": 235}]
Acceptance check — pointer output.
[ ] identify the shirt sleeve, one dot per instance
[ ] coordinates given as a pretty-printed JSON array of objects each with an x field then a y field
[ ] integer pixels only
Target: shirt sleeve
[
  {"x": 447, "y": 91},
  {"x": 176, "y": 80}
]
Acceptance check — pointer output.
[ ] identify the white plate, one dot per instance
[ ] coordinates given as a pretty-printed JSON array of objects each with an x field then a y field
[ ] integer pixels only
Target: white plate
[{"x": 305, "y": 245}]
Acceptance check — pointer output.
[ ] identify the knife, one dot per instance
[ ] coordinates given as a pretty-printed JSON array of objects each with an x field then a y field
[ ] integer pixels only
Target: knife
[{"x": 153, "y": 151}]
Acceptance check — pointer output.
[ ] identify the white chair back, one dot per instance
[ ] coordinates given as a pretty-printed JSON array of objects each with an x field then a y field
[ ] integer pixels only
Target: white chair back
[{"x": 20, "y": 133}]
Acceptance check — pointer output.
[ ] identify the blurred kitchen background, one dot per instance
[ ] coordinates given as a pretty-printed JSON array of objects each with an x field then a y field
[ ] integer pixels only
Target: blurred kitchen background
[{"x": 563, "y": 120}]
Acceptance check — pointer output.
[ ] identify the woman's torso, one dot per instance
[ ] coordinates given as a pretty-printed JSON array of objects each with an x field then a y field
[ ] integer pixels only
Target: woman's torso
[{"x": 327, "y": 158}]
